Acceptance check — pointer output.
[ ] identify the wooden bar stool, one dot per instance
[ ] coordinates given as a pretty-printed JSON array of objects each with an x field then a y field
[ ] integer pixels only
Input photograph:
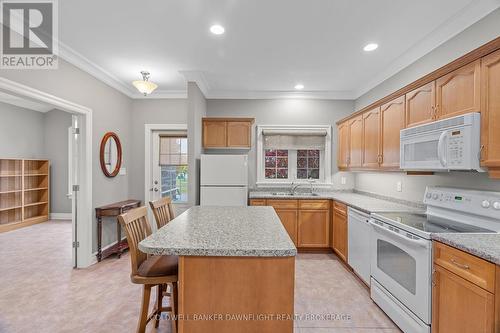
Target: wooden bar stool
[
  {"x": 150, "y": 271},
  {"x": 163, "y": 211}
]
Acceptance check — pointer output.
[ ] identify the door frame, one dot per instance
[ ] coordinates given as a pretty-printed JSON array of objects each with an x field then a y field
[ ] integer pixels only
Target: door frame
[
  {"x": 148, "y": 131},
  {"x": 84, "y": 209}
]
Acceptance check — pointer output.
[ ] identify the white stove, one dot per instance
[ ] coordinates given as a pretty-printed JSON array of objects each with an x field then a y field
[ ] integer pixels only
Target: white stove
[{"x": 401, "y": 249}]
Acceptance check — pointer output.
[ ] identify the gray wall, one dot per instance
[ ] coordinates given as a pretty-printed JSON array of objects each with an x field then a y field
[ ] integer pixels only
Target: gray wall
[
  {"x": 21, "y": 132},
  {"x": 197, "y": 109},
  {"x": 286, "y": 112},
  {"x": 56, "y": 125},
  {"x": 414, "y": 186},
  {"x": 111, "y": 112},
  {"x": 150, "y": 111}
]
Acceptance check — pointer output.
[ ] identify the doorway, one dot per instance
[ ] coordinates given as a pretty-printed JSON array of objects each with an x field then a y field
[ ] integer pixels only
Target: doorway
[{"x": 166, "y": 165}]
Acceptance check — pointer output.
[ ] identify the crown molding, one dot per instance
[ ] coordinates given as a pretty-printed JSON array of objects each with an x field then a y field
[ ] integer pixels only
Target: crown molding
[
  {"x": 162, "y": 94},
  {"x": 463, "y": 19},
  {"x": 198, "y": 77},
  {"x": 260, "y": 94}
]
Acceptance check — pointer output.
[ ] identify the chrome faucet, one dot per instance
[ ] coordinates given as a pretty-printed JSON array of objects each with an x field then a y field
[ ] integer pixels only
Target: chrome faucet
[{"x": 293, "y": 188}]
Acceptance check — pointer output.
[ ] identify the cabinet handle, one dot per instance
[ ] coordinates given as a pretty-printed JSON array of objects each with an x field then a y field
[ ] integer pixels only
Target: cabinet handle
[
  {"x": 481, "y": 150},
  {"x": 433, "y": 278},
  {"x": 436, "y": 111},
  {"x": 456, "y": 263}
]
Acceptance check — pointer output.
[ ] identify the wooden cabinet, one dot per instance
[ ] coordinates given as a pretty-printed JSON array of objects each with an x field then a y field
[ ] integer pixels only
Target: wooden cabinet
[
  {"x": 343, "y": 146},
  {"x": 258, "y": 202},
  {"x": 314, "y": 228},
  {"x": 392, "y": 121},
  {"x": 459, "y": 91},
  {"x": 289, "y": 219},
  {"x": 370, "y": 139},
  {"x": 463, "y": 294},
  {"x": 490, "y": 116},
  {"x": 227, "y": 132},
  {"x": 339, "y": 226},
  {"x": 355, "y": 159},
  {"x": 420, "y": 105}
]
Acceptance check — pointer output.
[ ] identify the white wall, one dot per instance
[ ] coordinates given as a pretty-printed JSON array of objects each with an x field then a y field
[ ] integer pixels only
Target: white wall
[
  {"x": 197, "y": 109},
  {"x": 150, "y": 111},
  {"x": 414, "y": 186},
  {"x": 285, "y": 112}
]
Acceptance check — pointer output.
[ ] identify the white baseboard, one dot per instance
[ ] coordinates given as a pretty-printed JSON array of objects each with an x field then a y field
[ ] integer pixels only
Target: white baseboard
[{"x": 60, "y": 216}]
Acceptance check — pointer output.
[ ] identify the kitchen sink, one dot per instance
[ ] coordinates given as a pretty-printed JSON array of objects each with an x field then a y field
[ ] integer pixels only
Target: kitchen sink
[{"x": 288, "y": 194}]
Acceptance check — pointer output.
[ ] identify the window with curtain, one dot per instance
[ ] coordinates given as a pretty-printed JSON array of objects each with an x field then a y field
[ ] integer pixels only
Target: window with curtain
[
  {"x": 174, "y": 167},
  {"x": 293, "y": 154}
]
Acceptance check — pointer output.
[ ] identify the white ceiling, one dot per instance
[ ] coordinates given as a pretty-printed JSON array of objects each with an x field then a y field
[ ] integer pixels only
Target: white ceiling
[{"x": 268, "y": 46}]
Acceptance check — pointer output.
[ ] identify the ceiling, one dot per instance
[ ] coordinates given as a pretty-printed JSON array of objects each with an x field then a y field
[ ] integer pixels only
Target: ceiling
[{"x": 268, "y": 47}]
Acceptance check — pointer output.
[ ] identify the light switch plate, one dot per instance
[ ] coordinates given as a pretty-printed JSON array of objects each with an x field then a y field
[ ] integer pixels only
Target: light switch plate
[
  {"x": 399, "y": 186},
  {"x": 343, "y": 180},
  {"x": 123, "y": 171}
]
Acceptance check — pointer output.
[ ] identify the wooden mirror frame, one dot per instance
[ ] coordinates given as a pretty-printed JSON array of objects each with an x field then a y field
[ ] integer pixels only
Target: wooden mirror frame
[{"x": 105, "y": 139}]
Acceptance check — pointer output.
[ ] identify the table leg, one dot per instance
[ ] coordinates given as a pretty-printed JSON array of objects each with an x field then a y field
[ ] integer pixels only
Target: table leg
[{"x": 99, "y": 239}]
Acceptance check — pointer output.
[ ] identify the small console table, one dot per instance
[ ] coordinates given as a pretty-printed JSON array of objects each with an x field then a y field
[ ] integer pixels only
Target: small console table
[{"x": 113, "y": 210}]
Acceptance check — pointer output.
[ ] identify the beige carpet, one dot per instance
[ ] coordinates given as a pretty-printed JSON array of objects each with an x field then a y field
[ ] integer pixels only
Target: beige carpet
[{"x": 39, "y": 292}]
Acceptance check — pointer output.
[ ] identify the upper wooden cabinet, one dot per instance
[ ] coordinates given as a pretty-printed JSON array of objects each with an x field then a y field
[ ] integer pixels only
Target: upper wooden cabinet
[
  {"x": 355, "y": 127},
  {"x": 420, "y": 105},
  {"x": 459, "y": 91},
  {"x": 490, "y": 117},
  {"x": 227, "y": 132},
  {"x": 343, "y": 146},
  {"x": 392, "y": 121},
  {"x": 370, "y": 139}
]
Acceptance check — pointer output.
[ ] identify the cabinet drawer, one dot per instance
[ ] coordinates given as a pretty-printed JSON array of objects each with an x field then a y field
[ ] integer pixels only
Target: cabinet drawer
[
  {"x": 314, "y": 204},
  {"x": 340, "y": 207},
  {"x": 471, "y": 268},
  {"x": 257, "y": 202},
  {"x": 282, "y": 204}
]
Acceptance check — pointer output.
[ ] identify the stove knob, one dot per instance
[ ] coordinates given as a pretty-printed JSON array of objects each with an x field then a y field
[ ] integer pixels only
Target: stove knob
[
  {"x": 428, "y": 195},
  {"x": 485, "y": 204},
  {"x": 496, "y": 205},
  {"x": 435, "y": 196}
]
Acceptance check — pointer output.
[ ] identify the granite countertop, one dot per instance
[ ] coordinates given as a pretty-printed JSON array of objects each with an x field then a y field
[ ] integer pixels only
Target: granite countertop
[
  {"x": 485, "y": 246},
  {"x": 366, "y": 203},
  {"x": 222, "y": 231}
]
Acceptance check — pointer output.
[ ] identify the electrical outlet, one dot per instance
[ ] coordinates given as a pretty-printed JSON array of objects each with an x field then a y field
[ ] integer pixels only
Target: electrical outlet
[
  {"x": 399, "y": 186},
  {"x": 123, "y": 171},
  {"x": 343, "y": 180}
]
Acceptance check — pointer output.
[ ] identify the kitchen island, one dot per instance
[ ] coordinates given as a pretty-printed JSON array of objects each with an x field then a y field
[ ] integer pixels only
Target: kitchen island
[{"x": 236, "y": 269}]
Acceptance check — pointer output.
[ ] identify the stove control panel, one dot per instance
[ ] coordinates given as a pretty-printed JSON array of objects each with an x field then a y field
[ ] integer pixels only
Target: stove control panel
[{"x": 482, "y": 203}]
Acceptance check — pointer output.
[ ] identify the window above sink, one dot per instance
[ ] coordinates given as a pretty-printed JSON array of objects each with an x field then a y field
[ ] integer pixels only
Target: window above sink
[{"x": 298, "y": 154}]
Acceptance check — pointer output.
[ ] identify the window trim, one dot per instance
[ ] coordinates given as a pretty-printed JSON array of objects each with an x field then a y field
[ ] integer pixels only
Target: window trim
[{"x": 327, "y": 156}]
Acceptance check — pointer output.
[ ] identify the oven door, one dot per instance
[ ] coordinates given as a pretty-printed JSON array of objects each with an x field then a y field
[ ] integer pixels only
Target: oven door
[
  {"x": 424, "y": 151},
  {"x": 401, "y": 263}
]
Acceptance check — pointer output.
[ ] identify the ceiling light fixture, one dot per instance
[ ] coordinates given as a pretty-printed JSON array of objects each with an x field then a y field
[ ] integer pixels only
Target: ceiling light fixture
[
  {"x": 299, "y": 86},
  {"x": 370, "y": 47},
  {"x": 145, "y": 86},
  {"x": 217, "y": 29}
]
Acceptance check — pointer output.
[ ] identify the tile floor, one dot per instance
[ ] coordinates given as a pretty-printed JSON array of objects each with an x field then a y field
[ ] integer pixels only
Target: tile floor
[{"x": 41, "y": 293}]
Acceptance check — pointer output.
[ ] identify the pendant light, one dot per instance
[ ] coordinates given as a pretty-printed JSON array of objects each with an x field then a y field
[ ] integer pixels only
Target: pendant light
[{"x": 145, "y": 86}]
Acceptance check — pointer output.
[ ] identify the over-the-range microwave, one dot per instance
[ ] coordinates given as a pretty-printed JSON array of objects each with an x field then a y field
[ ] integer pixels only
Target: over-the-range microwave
[{"x": 448, "y": 144}]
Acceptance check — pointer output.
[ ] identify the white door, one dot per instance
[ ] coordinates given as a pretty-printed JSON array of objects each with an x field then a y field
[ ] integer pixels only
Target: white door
[
  {"x": 74, "y": 150},
  {"x": 169, "y": 168}
]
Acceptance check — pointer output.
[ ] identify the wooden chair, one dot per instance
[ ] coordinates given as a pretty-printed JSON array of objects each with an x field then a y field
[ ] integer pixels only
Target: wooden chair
[
  {"x": 163, "y": 211},
  {"x": 150, "y": 271}
]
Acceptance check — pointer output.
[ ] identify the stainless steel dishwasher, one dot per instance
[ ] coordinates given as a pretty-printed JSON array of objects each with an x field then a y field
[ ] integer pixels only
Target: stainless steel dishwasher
[{"x": 359, "y": 231}]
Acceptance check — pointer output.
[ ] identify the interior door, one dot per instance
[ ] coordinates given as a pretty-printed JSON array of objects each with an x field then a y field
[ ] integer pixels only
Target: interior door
[
  {"x": 169, "y": 172},
  {"x": 392, "y": 121},
  {"x": 74, "y": 150},
  {"x": 371, "y": 133}
]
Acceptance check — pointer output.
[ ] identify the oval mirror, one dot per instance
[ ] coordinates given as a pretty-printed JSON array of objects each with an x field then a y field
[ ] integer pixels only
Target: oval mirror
[{"x": 111, "y": 154}]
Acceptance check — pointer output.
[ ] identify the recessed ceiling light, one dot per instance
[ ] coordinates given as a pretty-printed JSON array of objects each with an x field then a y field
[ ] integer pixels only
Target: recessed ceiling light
[
  {"x": 217, "y": 29},
  {"x": 299, "y": 86},
  {"x": 370, "y": 47}
]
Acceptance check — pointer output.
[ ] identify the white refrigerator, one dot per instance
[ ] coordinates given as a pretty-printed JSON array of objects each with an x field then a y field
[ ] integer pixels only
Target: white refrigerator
[{"x": 223, "y": 180}]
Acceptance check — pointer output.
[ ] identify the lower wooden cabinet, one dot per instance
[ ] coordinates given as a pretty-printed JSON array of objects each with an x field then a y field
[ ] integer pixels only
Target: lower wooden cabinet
[
  {"x": 339, "y": 226},
  {"x": 314, "y": 228},
  {"x": 289, "y": 219}
]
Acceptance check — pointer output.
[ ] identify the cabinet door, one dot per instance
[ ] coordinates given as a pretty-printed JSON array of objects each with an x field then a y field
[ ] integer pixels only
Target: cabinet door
[
  {"x": 239, "y": 134},
  {"x": 258, "y": 202},
  {"x": 371, "y": 140},
  {"x": 392, "y": 121},
  {"x": 343, "y": 146},
  {"x": 289, "y": 219},
  {"x": 460, "y": 306},
  {"x": 314, "y": 228},
  {"x": 459, "y": 92},
  {"x": 420, "y": 105},
  {"x": 490, "y": 116},
  {"x": 214, "y": 134},
  {"x": 340, "y": 234},
  {"x": 355, "y": 142}
]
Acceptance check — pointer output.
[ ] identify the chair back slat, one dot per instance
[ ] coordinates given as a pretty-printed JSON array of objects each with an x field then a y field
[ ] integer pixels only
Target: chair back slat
[
  {"x": 137, "y": 227},
  {"x": 163, "y": 211}
]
